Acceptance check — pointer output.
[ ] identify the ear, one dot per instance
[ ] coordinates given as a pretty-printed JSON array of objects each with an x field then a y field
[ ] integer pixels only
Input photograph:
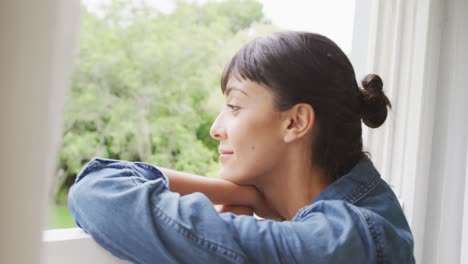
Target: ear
[{"x": 299, "y": 122}]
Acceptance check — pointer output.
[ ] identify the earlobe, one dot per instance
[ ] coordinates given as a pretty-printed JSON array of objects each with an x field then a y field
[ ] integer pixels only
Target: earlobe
[{"x": 299, "y": 123}]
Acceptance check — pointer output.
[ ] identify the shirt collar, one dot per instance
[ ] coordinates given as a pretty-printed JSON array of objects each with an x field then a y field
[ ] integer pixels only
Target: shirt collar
[{"x": 351, "y": 187}]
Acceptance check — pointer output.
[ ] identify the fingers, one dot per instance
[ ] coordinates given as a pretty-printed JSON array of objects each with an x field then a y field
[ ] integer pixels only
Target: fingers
[{"x": 235, "y": 209}]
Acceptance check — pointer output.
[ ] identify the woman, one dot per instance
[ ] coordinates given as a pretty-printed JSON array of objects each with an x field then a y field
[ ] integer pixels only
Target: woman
[{"x": 291, "y": 150}]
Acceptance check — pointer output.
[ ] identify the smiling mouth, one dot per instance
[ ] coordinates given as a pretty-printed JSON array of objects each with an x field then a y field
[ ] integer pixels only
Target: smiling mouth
[
  {"x": 224, "y": 155},
  {"x": 225, "y": 152}
]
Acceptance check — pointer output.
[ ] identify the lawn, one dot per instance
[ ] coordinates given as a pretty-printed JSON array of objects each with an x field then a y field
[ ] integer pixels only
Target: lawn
[{"x": 60, "y": 217}]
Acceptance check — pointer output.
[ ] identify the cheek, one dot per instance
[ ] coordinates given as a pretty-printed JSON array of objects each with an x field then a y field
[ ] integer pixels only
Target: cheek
[
  {"x": 254, "y": 137},
  {"x": 258, "y": 148},
  {"x": 263, "y": 151},
  {"x": 263, "y": 135}
]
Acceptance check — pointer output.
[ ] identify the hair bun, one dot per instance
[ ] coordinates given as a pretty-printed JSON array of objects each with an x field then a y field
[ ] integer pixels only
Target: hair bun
[{"x": 374, "y": 101}]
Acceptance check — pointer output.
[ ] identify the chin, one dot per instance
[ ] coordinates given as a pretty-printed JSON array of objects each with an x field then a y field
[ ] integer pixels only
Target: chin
[{"x": 234, "y": 177}]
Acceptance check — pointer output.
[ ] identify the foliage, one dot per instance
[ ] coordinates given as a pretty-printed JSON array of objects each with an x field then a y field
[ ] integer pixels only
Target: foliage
[{"x": 145, "y": 84}]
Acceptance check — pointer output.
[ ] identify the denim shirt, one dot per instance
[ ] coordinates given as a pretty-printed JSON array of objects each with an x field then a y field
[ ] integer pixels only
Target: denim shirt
[{"x": 128, "y": 209}]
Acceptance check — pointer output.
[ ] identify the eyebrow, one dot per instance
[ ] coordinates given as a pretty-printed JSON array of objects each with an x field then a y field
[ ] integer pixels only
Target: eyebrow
[{"x": 229, "y": 89}]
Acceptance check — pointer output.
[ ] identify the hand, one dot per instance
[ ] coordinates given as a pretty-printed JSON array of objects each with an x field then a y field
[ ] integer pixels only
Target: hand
[
  {"x": 236, "y": 209},
  {"x": 253, "y": 202},
  {"x": 263, "y": 212},
  {"x": 262, "y": 209}
]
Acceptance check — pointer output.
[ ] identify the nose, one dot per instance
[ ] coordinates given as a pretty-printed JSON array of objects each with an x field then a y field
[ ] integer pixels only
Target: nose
[{"x": 217, "y": 130}]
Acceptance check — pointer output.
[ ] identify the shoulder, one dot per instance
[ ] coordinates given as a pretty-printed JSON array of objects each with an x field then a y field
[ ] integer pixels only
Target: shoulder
[{"x": 386, "y": 239}]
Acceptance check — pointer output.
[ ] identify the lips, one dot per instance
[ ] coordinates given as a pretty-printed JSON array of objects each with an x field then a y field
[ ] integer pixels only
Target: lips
[{"x": 224, "y": 154}]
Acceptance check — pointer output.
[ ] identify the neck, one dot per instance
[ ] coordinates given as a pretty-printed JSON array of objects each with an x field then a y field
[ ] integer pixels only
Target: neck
[{"x": 297, "y": 184}]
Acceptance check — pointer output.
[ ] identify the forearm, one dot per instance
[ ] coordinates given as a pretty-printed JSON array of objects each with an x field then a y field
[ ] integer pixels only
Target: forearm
[{"x": 217, "y": 190}]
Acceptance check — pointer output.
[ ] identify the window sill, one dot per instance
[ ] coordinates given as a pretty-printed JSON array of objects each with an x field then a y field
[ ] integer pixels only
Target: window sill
[{"x": 74, "y": 246}]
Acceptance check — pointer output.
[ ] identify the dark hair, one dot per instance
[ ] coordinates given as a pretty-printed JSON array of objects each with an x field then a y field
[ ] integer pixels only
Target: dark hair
[{"x": 302, "y": 67}]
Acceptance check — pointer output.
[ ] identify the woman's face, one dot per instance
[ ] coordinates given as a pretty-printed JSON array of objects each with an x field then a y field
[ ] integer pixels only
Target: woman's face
[{"x": 249, "y": 131}]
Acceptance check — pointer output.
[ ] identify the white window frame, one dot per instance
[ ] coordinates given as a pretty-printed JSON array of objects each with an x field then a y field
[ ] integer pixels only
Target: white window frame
[
  {"x": 73, "y": 246},
  {"x": 418, "y": 47}
]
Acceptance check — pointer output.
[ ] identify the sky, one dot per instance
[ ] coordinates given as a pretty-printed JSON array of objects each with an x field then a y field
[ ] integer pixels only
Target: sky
[{"x": 332, "y": 18}]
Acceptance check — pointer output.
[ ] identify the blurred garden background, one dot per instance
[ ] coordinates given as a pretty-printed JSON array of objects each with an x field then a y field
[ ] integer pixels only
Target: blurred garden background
[
  {"x": 145, "y": 86},
  {"x": 146, "y": 78}
]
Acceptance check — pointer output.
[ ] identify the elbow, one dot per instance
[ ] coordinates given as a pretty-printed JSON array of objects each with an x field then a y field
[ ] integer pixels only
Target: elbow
[
  {"x": 81, "y": 205},
  {"x": 99, "y": 214},
  {"x": 72, "y": 207},
  {"x": 88, "y": 197},
  {"x": 89, "y": 203},
  {"x": 108, "y": 193}
]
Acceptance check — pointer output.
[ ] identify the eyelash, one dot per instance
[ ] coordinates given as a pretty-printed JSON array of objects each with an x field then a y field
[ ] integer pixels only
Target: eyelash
[{"x": 233, "y": 107}]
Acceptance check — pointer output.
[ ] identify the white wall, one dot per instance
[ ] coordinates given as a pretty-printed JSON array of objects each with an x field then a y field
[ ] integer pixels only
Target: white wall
[{"x": 36, "y": 39}]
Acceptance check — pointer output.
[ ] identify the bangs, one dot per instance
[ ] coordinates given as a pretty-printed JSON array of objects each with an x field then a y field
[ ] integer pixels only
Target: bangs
[{"x": 246, "y": 64}]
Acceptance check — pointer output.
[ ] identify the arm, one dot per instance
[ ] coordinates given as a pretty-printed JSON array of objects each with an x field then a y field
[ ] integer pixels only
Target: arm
[
  {"x": 128, "y": 209},
  {"x": 228, "y": 196},
  {"x": 217, "y": 190}
]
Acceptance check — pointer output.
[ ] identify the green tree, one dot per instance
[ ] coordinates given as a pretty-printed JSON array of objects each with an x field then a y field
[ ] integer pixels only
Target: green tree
[{"x": 145, "y": 84}]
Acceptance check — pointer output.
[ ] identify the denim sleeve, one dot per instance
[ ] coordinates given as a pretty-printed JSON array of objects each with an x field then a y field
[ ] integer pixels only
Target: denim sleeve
[{"x": 128, "y": 209}]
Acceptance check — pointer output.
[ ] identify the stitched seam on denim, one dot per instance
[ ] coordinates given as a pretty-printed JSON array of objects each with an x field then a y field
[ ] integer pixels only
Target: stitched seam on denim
[
  {"x": 375, "y": 236},
  {"x": 104, "y": 237},
  {"x": 363, "y": 191},
  {"x": 202, "y": 242}
]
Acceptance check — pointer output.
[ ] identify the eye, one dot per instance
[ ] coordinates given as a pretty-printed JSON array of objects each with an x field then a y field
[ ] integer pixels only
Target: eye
[{"x": 233, "y": 108}]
